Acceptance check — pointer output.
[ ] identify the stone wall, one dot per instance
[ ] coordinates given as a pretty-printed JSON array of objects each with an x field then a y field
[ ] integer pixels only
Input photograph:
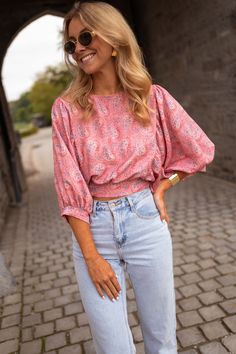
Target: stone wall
[
  {"x": 4, "y": 195},
  {"x": 190, "y": 49},
  {"x": 12, "y": 177}
]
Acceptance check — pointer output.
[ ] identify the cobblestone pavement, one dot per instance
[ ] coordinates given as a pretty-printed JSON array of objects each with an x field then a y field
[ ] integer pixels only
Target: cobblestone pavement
[{"x": 45, "y": 314}]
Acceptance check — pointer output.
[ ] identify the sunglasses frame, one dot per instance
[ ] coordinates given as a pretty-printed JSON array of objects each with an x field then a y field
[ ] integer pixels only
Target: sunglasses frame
[{"x": 73, "y": 42}]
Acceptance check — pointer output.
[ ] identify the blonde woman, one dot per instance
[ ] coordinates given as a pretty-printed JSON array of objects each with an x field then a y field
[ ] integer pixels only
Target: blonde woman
[{"x": 119, "y": 143}]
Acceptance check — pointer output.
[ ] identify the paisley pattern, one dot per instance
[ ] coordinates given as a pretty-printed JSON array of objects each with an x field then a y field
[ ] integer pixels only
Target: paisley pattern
[{"x": 113, "y": 155}]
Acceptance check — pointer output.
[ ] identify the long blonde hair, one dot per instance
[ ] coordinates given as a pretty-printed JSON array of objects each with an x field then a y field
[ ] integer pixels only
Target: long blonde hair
[{"x": 108, "y": 23}]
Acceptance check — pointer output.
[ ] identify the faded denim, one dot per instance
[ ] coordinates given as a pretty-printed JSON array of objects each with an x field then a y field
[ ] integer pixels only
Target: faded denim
[{"x": 130, "y": 235}]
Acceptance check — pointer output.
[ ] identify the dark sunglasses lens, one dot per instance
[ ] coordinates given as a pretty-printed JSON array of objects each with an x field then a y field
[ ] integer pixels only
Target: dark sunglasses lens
[
  {"x": 85, "y": 38},
  {"x": 70, "y": 47}
]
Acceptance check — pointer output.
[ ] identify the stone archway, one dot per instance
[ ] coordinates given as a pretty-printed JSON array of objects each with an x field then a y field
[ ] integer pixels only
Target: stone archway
[
  {"x": 15, "y": 17},
  {"x": 13, "y": 179}
]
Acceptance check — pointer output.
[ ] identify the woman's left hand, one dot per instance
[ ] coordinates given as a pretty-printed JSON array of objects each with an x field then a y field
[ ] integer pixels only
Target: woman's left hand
[{"x": 160, "y": 201}]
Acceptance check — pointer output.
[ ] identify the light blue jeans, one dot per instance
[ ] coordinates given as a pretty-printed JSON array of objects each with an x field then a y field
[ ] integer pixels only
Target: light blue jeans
[{"x": 130, "y": 235}]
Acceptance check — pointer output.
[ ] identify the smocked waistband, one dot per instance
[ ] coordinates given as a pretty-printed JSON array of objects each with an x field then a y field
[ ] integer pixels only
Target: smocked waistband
[{"x": 120, "y": 202}]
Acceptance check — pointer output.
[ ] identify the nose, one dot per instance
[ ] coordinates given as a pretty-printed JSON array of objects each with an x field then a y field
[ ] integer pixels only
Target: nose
[{"x": 79, "y": 47}]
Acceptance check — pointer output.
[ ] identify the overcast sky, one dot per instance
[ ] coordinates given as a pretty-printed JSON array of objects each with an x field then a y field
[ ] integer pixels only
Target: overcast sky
[{"x": 34, "y": 48}]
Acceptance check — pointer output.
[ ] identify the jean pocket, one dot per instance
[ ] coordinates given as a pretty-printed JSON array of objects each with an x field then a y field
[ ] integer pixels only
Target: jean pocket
[{"x": 146, "y": 208}]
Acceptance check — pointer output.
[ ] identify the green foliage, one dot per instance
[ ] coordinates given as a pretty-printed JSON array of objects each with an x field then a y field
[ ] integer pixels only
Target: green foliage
[
  {"x": 25, "y": 129},
  {"x": 21, "y": 109},
  {"x": 48, "y": 85}
]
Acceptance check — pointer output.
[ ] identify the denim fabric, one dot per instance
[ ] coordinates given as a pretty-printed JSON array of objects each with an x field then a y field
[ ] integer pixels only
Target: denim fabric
[{"x": 130, "y": 235}]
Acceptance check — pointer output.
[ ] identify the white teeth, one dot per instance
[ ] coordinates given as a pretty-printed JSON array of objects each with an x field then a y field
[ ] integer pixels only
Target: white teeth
[{"x": 87, "y": 57}]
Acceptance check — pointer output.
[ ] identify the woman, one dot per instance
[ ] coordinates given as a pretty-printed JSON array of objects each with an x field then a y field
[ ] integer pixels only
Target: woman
[{"x": 119, "y": 143}]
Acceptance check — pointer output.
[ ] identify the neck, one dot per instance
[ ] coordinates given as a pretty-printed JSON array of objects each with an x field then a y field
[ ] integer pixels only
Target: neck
[{"x": 106, "y": 82}]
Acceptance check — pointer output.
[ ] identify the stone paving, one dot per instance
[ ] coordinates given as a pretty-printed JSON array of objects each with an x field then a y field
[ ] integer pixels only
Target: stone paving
[{"x": 45, "y": 313}]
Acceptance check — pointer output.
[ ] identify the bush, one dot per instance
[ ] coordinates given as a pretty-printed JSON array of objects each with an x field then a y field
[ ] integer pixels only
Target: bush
[{"x": 26, "y": 129}]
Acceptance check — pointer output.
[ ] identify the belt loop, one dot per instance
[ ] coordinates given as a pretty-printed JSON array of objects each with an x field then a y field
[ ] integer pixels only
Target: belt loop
[
  {"x": 94, "y": 207},
  {"x": 130, "y": 202}
]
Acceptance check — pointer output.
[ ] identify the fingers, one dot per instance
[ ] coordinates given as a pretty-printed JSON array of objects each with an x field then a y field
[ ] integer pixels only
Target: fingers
[
  {"x": 99, "y": 290},
  {"x": 164, "y": 216},
  {"x": 160, "y": 203},
  {"x": 116, "y": 283},
  {"x": 105, "y": 280},
  {"x": 112, "y": 287},
  {"x": 111, "y": 291}
]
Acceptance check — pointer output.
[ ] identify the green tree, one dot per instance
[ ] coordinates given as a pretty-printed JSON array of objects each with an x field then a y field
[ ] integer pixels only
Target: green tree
[
  {"x": 47, "y": 87},
  {"x": 21, "y": 109}
]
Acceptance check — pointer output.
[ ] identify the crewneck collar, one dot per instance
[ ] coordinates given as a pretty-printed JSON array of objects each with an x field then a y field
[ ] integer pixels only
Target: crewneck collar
[{"x": 120, "y": 93}]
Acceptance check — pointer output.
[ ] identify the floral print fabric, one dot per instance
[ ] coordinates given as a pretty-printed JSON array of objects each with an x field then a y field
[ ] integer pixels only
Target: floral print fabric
[{"x": 113, "y": 155}]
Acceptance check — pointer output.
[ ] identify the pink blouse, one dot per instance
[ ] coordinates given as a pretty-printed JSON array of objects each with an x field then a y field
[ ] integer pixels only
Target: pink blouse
[{"x": 113, "y": 155}]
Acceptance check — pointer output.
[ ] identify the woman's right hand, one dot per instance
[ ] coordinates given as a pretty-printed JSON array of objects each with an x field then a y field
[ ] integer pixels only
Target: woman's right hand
[{"x": 103, "y": 277}]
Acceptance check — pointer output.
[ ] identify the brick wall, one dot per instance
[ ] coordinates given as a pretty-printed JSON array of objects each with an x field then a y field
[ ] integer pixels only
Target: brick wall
[{"x": 190, "y": 49}]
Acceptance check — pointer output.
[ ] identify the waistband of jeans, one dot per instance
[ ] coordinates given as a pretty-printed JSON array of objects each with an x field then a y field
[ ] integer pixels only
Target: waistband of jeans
[{"x": 127, "y": 200}]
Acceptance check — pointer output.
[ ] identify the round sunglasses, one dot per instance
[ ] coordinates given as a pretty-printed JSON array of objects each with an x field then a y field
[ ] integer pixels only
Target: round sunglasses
[{"x": 85, "y": 38}]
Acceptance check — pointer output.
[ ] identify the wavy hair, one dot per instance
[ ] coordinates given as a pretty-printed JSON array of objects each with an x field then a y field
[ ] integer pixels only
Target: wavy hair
[{"x": 109, "y": 24}]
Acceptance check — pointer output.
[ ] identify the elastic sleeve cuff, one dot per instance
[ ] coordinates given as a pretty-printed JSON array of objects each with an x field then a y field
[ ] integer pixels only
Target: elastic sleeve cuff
[
  {"x": 76, "y": 212},
  {"x": 190, "y": 174}
]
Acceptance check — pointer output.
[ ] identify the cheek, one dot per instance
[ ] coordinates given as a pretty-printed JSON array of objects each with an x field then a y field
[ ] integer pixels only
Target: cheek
[
  {"x": 103, "y": 49},
  {"x": 74, "y": 57},
  {"x": 105, "y": 54}
]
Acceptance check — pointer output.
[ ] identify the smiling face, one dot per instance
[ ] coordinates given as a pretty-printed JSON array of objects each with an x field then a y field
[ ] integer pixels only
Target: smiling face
[{"x": 96, "y": 56}]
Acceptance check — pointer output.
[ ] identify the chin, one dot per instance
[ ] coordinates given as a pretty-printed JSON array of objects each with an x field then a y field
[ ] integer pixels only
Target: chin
[{"x": 90, "y": 71}]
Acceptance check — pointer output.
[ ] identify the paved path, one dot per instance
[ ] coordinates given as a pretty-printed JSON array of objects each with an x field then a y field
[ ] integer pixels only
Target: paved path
[{"x": 45, "y": 314}]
